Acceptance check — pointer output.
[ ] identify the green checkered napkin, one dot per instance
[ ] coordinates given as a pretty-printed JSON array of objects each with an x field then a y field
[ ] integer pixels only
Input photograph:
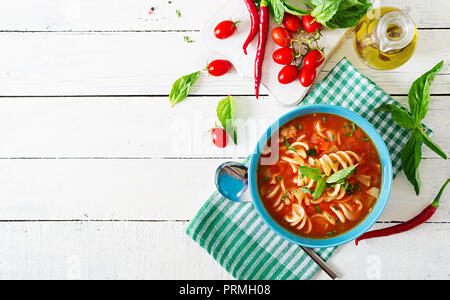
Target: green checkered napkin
[{"x": 236, "y": 236}]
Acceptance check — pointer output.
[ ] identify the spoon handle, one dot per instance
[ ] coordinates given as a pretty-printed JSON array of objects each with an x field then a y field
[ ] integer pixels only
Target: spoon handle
[{"x": 322, "y": 264}]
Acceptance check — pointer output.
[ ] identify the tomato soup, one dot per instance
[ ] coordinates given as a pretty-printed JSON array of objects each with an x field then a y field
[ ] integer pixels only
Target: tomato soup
[{"x": 325, "y": 179}]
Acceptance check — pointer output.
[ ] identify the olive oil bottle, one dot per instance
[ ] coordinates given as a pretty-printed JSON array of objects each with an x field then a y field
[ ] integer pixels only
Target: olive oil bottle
[{"x": 385, "y": 38}]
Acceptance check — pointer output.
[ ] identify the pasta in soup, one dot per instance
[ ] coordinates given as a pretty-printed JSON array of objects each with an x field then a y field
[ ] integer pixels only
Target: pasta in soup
[{"x": 325, "y": 179}]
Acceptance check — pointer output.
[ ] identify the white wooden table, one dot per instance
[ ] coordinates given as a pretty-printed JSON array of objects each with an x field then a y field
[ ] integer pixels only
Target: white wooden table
[{"x": 99, "y": 176}]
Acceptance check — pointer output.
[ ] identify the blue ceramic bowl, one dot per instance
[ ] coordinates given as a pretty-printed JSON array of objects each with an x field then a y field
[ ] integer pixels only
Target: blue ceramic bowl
[{"x": 385, "y": 187}]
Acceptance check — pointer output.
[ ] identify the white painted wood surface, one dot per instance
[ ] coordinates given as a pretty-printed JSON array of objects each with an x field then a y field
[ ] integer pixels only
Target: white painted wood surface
[{"x": 91, "y": 150}]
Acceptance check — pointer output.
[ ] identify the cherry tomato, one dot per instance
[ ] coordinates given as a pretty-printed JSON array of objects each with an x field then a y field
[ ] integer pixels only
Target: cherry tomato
[
  {"x": 288, "y": 74},
  {"x": 307, "y": 76},
  {"x": 219, "y": 67},
  {"x": 283, "y": 56},
  {"x": 313, "y": 59},
  {"x": 219, "y": 137},
  {"x": 292, "y": 22},
  {"x": 281, "y": 36},
  {"x": 225, "y": 29},
  {"x": 310, "y": 25}
]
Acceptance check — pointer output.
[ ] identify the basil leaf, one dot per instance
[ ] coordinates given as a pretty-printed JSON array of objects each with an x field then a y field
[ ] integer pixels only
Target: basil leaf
[
  {"x": 341, "y": 175},
  {"x": 182, "y": 87},
  {"x": 430, "y": 144},
  {"x": 277, "y": 10},
  {"x": 411, "y": 156},
  {"x": 306, "y": 190},
  {"x": 226, "y": 109},
  {"x": 325, "y": 10},
  {"x": 399, "y": 116},
  {"x": 311, "y": 173},
  {"x": 419, "y": 93},
  {"x": 320, "y": 187},
  {"x": 293, "y": 9},
  {"x": 349, "y": 13},
  {"x": 289, "y": 145}
]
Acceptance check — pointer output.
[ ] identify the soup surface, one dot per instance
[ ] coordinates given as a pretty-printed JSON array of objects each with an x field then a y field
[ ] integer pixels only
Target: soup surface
[{"x": 323, "y": 180}]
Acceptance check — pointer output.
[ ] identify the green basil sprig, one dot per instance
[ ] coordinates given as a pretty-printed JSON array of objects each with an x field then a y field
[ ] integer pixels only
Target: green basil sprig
[
  {"x": 226, "y": 114},
  {"x": 321, "y": 182},
  {"x": 182, "y": 87},
  {"x": 418, "y": 100},
  {"x": 330, "y": 13}
]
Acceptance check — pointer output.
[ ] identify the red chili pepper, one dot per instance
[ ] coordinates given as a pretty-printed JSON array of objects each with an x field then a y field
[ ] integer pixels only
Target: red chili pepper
[
  {"x": 263, "y": 28},
  {"x": 254, "y": 17},
  {"x": 414, "y": 222}
]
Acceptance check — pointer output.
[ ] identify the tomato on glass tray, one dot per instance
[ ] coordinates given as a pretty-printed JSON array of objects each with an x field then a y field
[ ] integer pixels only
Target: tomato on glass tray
[
  {"x": 288, "y": 74},
  {"x": 225, "y": 29},
  {"x": 283, "y": 56},
  {"x": 219, "y": 137},
  {"x": 310, "y": 25},
  {"x": 307, "y": 76},
  {"x": 292, "y": 22},
  {"x": 219, "y": 67},
  {"x": 281, "y": 36},
  {"x": 313, "y": 59}
]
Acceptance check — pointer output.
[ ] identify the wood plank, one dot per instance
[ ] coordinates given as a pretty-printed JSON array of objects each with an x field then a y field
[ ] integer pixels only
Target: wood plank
[
  {"x": 147, "y": 127},
  {"x": 147, "y": 250},
  {"x": 155, "y": 189},
  {"x": 147, "y": 63},
  {"x": 105, "y": 15}
]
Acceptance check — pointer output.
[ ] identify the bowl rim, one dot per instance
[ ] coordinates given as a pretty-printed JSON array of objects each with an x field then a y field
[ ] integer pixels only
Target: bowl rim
[{"x": 369, "y": 220}]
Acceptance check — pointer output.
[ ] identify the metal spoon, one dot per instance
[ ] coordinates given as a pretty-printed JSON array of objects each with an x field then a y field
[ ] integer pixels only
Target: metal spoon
[{"x": 232, "y": 182}]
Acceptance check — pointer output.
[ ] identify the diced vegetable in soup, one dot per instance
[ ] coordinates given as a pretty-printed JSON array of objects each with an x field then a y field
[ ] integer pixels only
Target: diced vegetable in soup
[{"x": 327, "y": 177}]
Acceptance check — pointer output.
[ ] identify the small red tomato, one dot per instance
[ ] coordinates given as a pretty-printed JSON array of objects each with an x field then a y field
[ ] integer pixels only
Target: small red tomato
[
  {"x": 219, "y": 67},
  {"x": 313, "y": 59},
  {"x": 283, "y": 56},
  {"x": 281, "y": 36},
  {"x": 307, "y": 76},
  {"x": 219, "y": 137},
  {"x": 225, "y": 29},
  {"x": 310, "y": 25},
  {"x": 288, "y": 74},
  {"x": 292, "y": 22}
]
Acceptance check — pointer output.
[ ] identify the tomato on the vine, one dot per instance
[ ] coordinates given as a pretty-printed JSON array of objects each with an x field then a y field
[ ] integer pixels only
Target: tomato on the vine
[
  {"x": 219, "y": 67},
  {"x": 307, "y": 76},
  {"x": 292, "y": 22},
  {"x": 219, "y": 137},
  {"x": 313, "y": 59},
  {"x": 225, "y": 29},
  {"x": 288, "y": 74},
  {"x": 284, "y": 56},
  {"x": 310, "y": 24},
  {"x": 281, "y": 36}
]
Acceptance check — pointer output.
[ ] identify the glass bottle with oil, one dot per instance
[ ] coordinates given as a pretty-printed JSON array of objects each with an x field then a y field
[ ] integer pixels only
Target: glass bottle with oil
[{"x": 385, "y": 38}]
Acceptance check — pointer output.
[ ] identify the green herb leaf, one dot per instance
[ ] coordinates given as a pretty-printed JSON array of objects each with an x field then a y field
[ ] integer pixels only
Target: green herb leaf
[
  {"x": 341, "y": 175},
  {"x": 311, "y": 152},
  {"x": 430, "y": 144},
  {"x": 226, "y": 114},
  {"x": 277, "y": 10},
  {"x": 418, "y": 99},
  {"x": 311, "y": 173},
  {"x": 306, "y": 190},
  {"x": 419, "y": 93},
  {"x": 289, "y": 145},
  {"x": 411, "y": 156},
  {"x": 325, "y": 10},
  {"x": 349, "y": 13},
  {"x": 178, "y": 13},
  {"x": 187, "y": 39},
  {"x": 318, "y": 209},
  {"x": 399, "y": 116},
  {"x": 320, "y": 187},
  {"x": 182, "y": 87}
]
